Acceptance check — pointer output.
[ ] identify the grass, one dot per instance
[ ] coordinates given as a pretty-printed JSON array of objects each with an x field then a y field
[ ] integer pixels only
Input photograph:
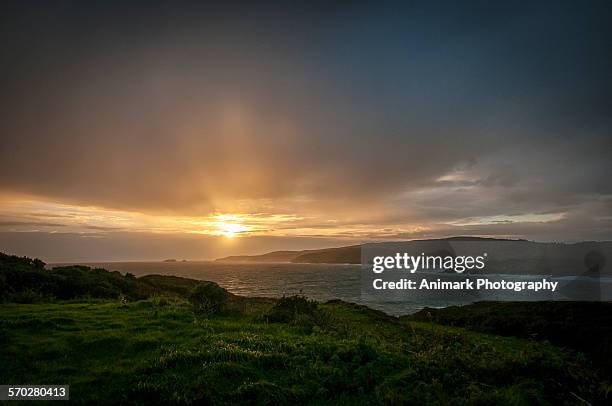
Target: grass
[
  {"x": 582, "y": 326},
  {"x": 158, "y": 351},
  {"x": 170, "y": 340}
]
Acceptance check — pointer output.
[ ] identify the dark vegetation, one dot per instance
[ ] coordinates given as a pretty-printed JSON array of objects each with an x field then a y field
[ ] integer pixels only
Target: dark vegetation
[
  {"x": 582, "y": 326},
  {"x": 23, "y": 280},
  {"x": 166, "y": 340},
  {"x": 208, "y": 298},
  {"x": 288, "y": 309},
  {"x": 304, "y": 314}
]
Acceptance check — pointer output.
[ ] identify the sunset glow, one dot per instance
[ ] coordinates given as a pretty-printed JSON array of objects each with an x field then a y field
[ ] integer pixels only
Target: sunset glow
[
  {"x": 279, "y": 130},
  {"x": 229, "y": 226}
]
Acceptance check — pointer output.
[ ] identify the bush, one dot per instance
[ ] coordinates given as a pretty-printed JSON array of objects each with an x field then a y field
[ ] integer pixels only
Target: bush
[
  {"x": 27, "y": 280},
  {"x": 292, "y": 308},
  {"x": 208, "y": 298},
  {"x": 306, "y": 316},
  {"x": 28, "y": 296}
]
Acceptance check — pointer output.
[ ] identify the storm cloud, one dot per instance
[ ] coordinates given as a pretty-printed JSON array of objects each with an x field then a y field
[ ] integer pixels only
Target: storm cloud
[{"x": 435, "y": 118}]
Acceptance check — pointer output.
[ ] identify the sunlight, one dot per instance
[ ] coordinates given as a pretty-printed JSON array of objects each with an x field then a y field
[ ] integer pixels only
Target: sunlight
[
  {"x": 230, "y": 230},
  {"x": 229, "y": 226}
]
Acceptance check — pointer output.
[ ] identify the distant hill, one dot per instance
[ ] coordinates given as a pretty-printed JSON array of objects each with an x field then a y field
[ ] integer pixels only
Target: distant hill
[
  {"x": 275, "y": 256},
  {"x": 340, "y": 255},
  {"x": 588, "y": 258},
  {"x": 350, "y": 255}
]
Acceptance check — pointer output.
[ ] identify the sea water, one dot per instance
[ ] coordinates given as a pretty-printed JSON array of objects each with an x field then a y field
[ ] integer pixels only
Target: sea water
[{"x": 322, "y": 282}]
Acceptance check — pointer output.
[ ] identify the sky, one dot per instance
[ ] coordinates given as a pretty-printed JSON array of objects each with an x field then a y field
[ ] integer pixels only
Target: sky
[{"x": 152, "y": 130}]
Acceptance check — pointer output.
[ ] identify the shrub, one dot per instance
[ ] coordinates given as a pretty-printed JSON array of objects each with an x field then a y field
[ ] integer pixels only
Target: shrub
[
  {"x": 159, "y": 301},
  {"x": 28, "y": 296},
  {"x": 292, "y": 308},
  {"x": 262, "y": 393},
  {"x": 208, "y": 298}
]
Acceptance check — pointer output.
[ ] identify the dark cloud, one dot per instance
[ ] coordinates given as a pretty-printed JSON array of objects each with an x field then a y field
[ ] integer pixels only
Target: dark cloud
[
  {"x": 370, "y": 114},
  {"x": 28, "y": 223},
  {"x": 102, "y": 228}
]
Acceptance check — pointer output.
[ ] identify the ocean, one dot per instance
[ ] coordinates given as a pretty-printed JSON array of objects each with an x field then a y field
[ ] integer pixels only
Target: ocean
[{"x": 324, "y": 282}]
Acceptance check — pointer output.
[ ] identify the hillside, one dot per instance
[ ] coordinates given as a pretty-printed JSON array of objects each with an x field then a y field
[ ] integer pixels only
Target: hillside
[
  {"x": 505, "y": 256},
  {"x": 338, "y": 255},
  {"x": 342, "y": 255},
  {"x": 169, "y": 340},
  {"x": 582, "y": 326},
  {"x": 275, "y": 256},
  {"x": 153, "y": 352},
  {"x": 24, "y": 280}
]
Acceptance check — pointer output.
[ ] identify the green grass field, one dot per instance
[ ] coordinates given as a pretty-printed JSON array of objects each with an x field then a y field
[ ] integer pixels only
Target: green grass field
[{"x": 159, "y": 351}]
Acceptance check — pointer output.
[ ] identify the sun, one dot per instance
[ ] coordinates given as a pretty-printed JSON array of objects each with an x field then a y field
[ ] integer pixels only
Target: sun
[
  {"x": 230, "y": 230},
  {"x": 229, "y": 225}
]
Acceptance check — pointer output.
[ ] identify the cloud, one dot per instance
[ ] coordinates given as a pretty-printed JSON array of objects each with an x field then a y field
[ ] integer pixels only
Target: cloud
[
  {"x": 363, "y": 123},
  {"x": 29, "y": 223}
]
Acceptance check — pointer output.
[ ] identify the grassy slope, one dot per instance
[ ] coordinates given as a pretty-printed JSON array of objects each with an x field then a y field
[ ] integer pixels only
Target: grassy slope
[
  {"x": 157, "y": 351},
  {"x": 582, "y": 326}
]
